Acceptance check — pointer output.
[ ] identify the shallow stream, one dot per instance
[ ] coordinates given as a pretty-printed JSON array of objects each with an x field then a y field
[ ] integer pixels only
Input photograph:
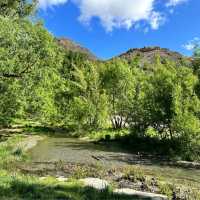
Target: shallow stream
[{"x": 73, "y": 150}]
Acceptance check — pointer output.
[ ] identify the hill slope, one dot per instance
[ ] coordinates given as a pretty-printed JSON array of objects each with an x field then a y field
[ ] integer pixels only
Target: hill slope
[
  {"x": 70, "y": 45},
  {"x": 148, "y": 55}
]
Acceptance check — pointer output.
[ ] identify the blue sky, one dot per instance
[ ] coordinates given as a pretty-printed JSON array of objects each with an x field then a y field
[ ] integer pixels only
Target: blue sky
[{"x": 110, "y": 27}]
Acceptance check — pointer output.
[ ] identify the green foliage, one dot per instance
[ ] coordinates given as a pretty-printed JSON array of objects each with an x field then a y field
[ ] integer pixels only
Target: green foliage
[
  {"x": 196, "y": 66},
  {"x": 17, "y": 8},
  {"x": 167, "y": 106},
  {"x": 111, "y": 133},
  {"x": 27, "y": 56},
  {"x": 23, "y": 47},
  {"x": 82, "y": 102},
  {"x": 43, "y": 82},
  {"x": 9, "y": 103},
  {"x": 90, "y": 99},
  {"x": 118, "y": 80}
]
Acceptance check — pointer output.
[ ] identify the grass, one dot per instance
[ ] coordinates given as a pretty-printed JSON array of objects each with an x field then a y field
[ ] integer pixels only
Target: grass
[
  {"x": 11, "y": 153},
  {"x": 31, "y": 188},
  {"x": 16, "y": 185}
]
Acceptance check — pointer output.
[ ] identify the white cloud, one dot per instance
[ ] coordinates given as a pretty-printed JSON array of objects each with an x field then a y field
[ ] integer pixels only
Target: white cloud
[
  {"x": 44, "y": 4},
  {"x": 156, "y": 20},
  {"x": 175, "y": 2},
  {"x": 119, "y": 13},
  {"x": 192, "y": 44}
]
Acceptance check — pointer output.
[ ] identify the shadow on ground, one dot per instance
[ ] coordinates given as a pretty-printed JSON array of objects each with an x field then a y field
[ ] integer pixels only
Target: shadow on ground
[{"x": 30, "y": 191}]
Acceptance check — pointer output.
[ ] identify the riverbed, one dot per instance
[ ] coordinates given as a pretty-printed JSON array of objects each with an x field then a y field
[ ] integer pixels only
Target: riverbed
[{"x": 73, "y": 150}]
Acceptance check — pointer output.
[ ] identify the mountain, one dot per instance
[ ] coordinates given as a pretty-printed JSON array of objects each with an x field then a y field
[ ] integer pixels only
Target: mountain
[
  {"x": 70, "y": 45},
  {"x": 148, "y": 55}
]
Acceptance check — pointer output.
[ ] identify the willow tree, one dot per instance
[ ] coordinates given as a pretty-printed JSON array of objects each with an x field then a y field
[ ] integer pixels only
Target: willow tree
[
  {"x": 119, "y": 82},
  {"x": 28, "y": 57},
  {"x": 89, "y": 103}
]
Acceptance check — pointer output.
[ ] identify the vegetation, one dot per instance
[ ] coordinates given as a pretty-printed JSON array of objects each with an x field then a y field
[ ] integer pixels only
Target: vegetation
[
  {"x": 157, "y": 104},
  {"x": 30, "y": 188},
  {"x": 15, "y": 184},
  {"x": 41, "y": 81},
  {"x": 17, "y": 8}
]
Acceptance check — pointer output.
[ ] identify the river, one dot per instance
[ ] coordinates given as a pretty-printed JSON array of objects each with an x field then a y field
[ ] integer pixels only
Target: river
[{"x": 73, "y": 150}]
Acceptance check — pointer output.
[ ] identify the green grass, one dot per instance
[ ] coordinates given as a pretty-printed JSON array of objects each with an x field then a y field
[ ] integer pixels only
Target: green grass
[
  {"x": 31, "y": 188},
  {"x": 11, "y": 153}
]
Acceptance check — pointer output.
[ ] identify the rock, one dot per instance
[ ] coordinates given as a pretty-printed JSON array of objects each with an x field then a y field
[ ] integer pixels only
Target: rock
[
  {"x": 140, "y": 194},
  {"x": 42, "y": 178},
  {"x": 187, "y": 164},
  {"x": 95, "y": 183},
  {"x": 118, "y": 177},
  {"x": 61, "y": 179}
]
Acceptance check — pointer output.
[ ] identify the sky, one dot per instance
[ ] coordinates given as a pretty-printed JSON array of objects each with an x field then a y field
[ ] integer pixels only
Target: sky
[{"x": 111, "y": 27}]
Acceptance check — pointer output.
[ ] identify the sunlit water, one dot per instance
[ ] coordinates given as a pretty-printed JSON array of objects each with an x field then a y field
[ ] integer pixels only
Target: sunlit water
[{"x": 72, "y": 150}]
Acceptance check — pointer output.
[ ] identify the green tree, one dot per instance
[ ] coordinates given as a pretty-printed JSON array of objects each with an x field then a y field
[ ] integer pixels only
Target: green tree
[
  {"x": 89, "y": 105},
  {"x": 17, "y": 8},
  {"x": 29, "y": 58},
  {"x": 167, "y": 101},
  {"x": 118, "y": 80},
  {"x": 81, "y": 101}
]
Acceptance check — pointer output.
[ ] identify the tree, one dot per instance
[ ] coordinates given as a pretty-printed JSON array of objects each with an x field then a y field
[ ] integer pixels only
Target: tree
[
  {"x": 196, "y": 65},
  {"x": 118, "y": 81},
  {"x": 17, "y": 8},
  {"x": 29, "y": 58},
  {"x": 23, "y": 47},
  {"x": 89, "y": 107},
  {"x": 166, "y": 93},
  {"x": 9, "y": 101}
]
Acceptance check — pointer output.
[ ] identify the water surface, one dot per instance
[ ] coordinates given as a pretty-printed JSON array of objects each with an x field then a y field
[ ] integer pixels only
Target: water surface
[{"x": 73, "y": 150}]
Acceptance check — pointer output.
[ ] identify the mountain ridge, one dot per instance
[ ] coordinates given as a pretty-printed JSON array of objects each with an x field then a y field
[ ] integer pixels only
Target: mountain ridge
[
  {"x": 146, "y": 54},
  {"x": 70, "y": 45}
]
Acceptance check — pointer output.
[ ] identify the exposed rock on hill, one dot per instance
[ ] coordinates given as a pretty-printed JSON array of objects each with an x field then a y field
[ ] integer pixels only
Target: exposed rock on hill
[
  {"x": 148, "y": 55},
  {"x": 70, "y": 45}
]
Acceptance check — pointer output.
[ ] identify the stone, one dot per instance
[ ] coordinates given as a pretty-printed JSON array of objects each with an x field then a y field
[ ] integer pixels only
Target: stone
[
  {"x": 61, "y": 179},
  {"x": 118, "y": 177},
  {"x": 95, "y": 183},
  {"x": 187, "y": 164},
  {"x": 131, "y": 192},
  {"x": 43, "y": 178}
]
